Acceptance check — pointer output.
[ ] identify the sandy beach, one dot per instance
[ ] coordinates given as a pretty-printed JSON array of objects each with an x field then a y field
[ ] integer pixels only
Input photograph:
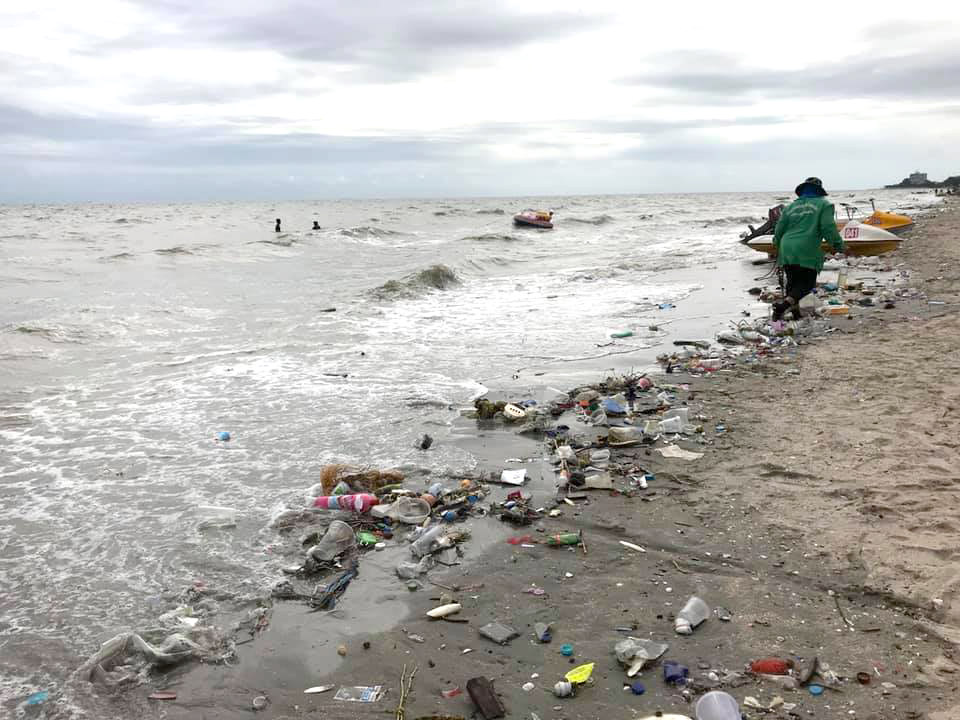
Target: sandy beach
[{"x": 824, "y": 518}]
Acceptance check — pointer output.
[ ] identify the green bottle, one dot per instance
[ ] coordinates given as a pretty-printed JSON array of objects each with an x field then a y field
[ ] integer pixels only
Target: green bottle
[{"x": 563, "y": 539}]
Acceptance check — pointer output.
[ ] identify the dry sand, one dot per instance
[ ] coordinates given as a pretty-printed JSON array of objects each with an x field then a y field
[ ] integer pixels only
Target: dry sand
[{"x": 826, "y": 519}]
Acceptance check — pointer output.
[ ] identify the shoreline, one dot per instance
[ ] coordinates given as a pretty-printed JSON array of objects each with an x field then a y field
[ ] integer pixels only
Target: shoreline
[{"x": 705, "y": 531}]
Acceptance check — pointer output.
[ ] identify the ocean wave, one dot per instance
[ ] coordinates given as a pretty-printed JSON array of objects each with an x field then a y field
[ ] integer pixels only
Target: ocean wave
[
  {"x": 131, "y": 221},
  {"x": 491, "y": 237},
  {"x": 595, "y": 220},
  {"x": 120, "y": 256},
  {"x": 491, "y": 211},
  {"x": 730, "y": 220},
  {"x": 435, "y": 277},
  {"x": 365, "y": 231},
  {"x": 281, "y": 241},
  {"x": 175, "y": 250},
  {"x": 51, "y": 333}
]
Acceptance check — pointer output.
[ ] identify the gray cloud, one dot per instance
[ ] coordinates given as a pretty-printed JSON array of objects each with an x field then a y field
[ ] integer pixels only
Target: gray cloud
[
  {"x": 381, "y": 41},
  {"x": 933, "y": 74}
]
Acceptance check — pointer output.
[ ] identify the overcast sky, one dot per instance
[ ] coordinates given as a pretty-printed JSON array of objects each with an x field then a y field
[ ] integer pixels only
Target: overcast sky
[{"x": 153, "y": 100}]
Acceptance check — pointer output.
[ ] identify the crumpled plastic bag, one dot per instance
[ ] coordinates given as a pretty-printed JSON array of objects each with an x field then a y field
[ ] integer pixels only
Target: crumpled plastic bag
[
  {"x": 126, "y": 656},
  {"x": 634, "y": 653}
]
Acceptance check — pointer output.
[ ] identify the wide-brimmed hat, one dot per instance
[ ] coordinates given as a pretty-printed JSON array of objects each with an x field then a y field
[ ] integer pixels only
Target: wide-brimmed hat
[{"x": 812, "y": 183}]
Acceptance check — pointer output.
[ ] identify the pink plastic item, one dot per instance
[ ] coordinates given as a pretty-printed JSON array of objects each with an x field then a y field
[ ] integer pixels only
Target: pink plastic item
[{"x": 360, "y": 503}]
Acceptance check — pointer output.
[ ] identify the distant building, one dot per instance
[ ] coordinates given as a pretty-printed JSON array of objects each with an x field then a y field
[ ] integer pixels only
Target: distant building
[{"x": 916, "y": 179}]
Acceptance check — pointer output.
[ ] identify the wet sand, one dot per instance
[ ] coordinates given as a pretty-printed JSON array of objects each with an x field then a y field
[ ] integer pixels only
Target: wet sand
[{"x": 826, "y": 519}]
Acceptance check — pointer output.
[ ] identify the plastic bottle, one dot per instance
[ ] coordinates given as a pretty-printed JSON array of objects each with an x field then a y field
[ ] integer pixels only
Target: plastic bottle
[
  {"x": 682, "y": 413},
  {"x": 717, "y": 705},
  {"x": 426, "y": 542},
  {"x": 692, "y": 614},
  {"x": 338, "y": 539},
  {"x": 671, "y": 425},
  {"x": 360, "y": 503},
  {"x": 564, "y": 539},
  {"x": 624, "y": 435},
  {"x": 412, "y": 511}
]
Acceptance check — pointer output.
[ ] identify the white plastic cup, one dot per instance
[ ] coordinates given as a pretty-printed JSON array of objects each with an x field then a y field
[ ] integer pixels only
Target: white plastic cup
[{"x": 718, "y": 705}]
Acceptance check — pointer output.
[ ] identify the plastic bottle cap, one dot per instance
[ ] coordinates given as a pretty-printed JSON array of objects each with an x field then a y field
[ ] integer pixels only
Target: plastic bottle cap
[{"x": 566, "y": 650}]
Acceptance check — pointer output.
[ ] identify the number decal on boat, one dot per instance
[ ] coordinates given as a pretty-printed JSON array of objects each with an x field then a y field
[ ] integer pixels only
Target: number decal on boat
[{"x": 851, "y": 233}]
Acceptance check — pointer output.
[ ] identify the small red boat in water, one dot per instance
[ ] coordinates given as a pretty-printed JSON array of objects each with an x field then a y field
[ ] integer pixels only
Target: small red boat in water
[{"x": 534, "y": 218}]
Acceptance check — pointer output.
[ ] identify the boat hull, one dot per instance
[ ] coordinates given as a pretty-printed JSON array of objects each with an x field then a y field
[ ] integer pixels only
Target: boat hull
[
  {"x": 891, "y": 222},
  {"x": 521, "y": 221},
  {"x": 860, "y": 239}
]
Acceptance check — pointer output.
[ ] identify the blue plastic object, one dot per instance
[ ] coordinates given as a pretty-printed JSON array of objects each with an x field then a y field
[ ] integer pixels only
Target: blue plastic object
[
  {"x": 566, "y": 650},
  {"x": 612, "y": 407},
  {"x": 815, "y": 689},
  {"x": 223, "y": 436},
  {"x": 38, "y": 697},
  {"x": 637, "y": 688},
  {"x": 674, "y": 673}
]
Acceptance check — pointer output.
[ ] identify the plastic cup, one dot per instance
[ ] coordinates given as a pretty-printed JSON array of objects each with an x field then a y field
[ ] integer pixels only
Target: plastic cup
[{"x": 718, "y": 705}]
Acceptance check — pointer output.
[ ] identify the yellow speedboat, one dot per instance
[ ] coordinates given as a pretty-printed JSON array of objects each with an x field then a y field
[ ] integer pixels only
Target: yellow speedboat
[
  {"x": 891, "y": 222},
  {"x": 859, "y": 237}
]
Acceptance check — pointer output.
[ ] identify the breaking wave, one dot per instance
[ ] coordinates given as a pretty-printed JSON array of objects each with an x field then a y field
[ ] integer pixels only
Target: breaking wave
[
  {"x": 595, "y": 220},
  {"x": 730, "y": 220},
  {"x": 491, "y": 211},
  {"x": 435, "y": 277},
  {"x": 491, "y": 237},
  {"x": 53, "y": 333},
  {"x": 175, "y": 250},
  {"x": 365, "y": 231}
]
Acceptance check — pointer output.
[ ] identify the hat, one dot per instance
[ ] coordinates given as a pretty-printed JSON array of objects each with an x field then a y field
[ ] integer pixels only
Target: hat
[{"x": 814, "y": 183}]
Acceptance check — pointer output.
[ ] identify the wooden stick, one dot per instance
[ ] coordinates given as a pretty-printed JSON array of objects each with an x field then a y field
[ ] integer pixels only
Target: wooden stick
[{"x": 836, "y": 600}]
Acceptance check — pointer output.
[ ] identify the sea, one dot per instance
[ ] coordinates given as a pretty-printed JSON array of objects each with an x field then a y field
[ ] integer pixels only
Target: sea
[{"x": 132, "y": 335}]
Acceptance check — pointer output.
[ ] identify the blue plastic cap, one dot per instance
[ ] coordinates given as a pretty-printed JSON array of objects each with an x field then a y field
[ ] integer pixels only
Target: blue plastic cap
[{"x": 223, "y": 435}]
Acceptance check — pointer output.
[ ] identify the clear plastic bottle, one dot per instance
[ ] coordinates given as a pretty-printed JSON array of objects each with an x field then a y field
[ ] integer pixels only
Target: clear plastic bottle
[
  {"x": 692, "y": 614},
  {"x": 338, "y": 539},
  {"x": 426, "y": 542}
]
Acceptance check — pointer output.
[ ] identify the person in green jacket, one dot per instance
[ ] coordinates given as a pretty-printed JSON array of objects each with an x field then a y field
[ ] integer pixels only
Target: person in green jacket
[{"x": 803, "y": 224}]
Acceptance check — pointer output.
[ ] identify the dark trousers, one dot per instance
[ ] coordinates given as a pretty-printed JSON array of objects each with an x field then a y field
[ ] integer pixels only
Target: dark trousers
[{"x": 800, "y": 281}]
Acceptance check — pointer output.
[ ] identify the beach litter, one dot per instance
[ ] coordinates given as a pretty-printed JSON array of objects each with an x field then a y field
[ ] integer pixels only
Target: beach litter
[
  {"x": 360, "y": 693},
  {"x": 485, "y": 698},
  {"x": 498, "y": 633},
  {"x": 636, "y": 653},
  {"x": 316, "y": 689}
]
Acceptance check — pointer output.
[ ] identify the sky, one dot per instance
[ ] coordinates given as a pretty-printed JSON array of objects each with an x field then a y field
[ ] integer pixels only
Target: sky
[{"x": 178, "y": 100}]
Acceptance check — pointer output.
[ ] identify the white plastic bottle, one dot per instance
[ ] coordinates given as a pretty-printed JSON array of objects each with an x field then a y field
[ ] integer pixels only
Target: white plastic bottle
[
  {"x": 693, "y": 613},
  {"x": 426, "y": 542}
]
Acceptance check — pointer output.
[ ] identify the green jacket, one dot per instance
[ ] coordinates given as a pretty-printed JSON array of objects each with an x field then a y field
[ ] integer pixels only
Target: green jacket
[{"x": 803, "y": 224}]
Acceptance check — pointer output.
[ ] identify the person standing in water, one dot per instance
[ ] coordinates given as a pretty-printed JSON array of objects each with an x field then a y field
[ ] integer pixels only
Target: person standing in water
[
  {"x": 316, "y": 225},
  {"x": 277, "y": 228},
  {"x": 802, "y": 225}
]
